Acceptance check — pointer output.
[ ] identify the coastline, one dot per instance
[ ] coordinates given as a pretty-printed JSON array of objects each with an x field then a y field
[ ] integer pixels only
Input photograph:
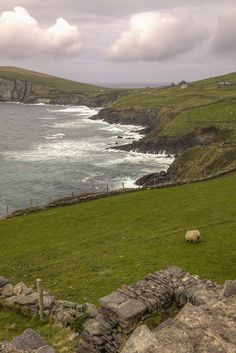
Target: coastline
[{"x": 115, "y": 168}]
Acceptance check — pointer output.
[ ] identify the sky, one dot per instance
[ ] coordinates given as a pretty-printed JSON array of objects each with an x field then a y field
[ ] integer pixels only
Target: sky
[{"x": 120, "y": 41}]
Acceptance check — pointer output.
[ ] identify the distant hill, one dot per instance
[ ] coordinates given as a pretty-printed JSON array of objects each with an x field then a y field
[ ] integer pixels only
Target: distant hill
[
  {"x": 15, "y": 73},
  {"x": 35, "y": 87}
]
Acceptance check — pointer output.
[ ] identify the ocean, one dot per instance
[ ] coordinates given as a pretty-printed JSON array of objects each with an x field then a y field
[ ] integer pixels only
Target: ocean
[{"x": 47, "y": 152}]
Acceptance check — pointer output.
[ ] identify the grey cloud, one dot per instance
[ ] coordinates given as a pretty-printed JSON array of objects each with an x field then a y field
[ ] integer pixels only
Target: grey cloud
[
  {"x": 74, "y": 9},
  {"x": 21, "y": 36},
  {"x": 157, "y": 37},
  {"x": 224, "y": 40}
]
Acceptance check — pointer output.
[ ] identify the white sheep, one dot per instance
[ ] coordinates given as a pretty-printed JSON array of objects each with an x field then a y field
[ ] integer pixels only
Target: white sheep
[{"x": 193, "y": 235}]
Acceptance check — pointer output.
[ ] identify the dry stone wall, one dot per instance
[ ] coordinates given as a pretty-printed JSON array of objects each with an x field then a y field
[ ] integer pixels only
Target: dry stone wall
[
  {"x": 27, "y": 300},
  {"x": 77, "y": 199},
  {"x": 207, "y": 318},
  {"x": 125, "y": 309}
]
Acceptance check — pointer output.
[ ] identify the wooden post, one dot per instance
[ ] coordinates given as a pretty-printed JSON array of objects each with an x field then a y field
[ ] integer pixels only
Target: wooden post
[
  {"x": 50, "y": 199},
  {"x": 7, "y": 209},
  {"x": 107, "y": 189},
  {"x": 41, "y": 303},
  {"x": 30, "y": 202},
  {"x": 123, "y": 186}
]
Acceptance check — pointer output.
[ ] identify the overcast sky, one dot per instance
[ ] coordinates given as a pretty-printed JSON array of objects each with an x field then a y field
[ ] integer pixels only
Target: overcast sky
[{"x": 120, "y": 41}]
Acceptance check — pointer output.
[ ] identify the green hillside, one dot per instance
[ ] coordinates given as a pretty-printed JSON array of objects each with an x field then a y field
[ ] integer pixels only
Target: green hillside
[
  {"x": 53, "y": 82},
  {"x": 85, "y": 251}
]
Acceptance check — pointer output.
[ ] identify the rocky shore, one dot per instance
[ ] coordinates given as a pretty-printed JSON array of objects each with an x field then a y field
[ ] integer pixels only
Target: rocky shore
[
  {"x": 151, "y": 120},
  {"x": 31, "y": 93}
]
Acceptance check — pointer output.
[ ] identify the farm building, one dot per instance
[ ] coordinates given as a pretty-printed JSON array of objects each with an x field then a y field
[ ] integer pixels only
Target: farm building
[{"x": 224, "y": 84}]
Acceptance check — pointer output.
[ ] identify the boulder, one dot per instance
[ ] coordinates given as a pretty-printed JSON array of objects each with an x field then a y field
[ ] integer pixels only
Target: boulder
[
  {"x": 7, "y": 291},
  {"x": 142, "y": 340},
  {"x": 3, "y": 281},
  {"x": 20, "y": 288},
  {"x": 31, "y": 340},
  {"x": 90, "y": 310},
  {"x": 229, "y": 288},
  {"x": 31, "y": 299}
]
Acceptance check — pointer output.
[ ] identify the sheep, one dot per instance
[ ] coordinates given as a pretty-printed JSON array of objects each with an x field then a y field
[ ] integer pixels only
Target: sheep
[{"x": 193, "y": 235}]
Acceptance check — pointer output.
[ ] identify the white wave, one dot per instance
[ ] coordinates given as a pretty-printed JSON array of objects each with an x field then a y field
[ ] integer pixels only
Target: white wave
[
  {"x": 128, "y": 182},
  {"x": 57, "y": 150},
  {"x": 48, "y": 118},
  {"x": 82, "y": 110},
  {"x": 134, "y": 157},
  {"x": 55, "y": 136},
  {"x": 92, "y": 176},
  {"x": 67, "y": 125}
]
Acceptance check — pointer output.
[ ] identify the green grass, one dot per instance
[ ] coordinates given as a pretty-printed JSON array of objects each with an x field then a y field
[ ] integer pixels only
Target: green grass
[
  {"x": 199, "y": 162},
  {"x": 85, "y": 251},
  {"x": 13, "y": 323}
]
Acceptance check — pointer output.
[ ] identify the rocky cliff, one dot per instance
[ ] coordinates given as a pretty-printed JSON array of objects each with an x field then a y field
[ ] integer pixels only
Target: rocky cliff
[{"x": 32, "y": 92}]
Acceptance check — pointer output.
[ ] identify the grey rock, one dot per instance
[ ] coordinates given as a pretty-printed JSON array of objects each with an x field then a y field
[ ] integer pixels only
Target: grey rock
[
  {"x": 130, "y": 308},
  {"x": 7, "y": 291},
  {"x": 90, "y": 310},
  {"x": 3, "y": 281},
  {"x": 31, "y": 299},
  {"x": 21, "y": 288},
  {"x": 115, "y": 298},
  {"x": 48, "y": 301},
  {"x": 29, "y": 340},
  {"x": 229, "y": 288},
  {"x": 93, "y": 327},
  {"x": 141, "y": 341}
]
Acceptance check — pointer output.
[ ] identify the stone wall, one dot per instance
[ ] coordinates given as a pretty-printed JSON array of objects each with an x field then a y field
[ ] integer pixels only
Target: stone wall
[
  {"x": 26, "y": 299},
  {"x": 125, "y": 309},
  {"x": 77, "y": 199},
  {"x": 208, "y": 309}
]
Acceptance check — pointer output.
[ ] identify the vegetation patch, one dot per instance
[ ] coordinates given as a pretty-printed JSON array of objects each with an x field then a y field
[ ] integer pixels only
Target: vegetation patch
[
  {"x": 13, "y": 323},
  {"x": 162, "y": 315}
]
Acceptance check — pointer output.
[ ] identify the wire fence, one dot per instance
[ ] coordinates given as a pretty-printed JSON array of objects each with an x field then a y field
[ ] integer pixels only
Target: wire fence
[{"x": 10, "y": 205}]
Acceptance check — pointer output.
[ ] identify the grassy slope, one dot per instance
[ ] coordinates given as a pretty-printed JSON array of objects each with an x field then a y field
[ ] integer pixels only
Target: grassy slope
[
  {"x": 86, "y": 251},
  {"x": 50, "y": 82},
  {"x": 202, "y": 161},
  {"x": 15, "y": 323},
  {"x": 202, "y": 105},
  {"x": 199, "y": 106}
]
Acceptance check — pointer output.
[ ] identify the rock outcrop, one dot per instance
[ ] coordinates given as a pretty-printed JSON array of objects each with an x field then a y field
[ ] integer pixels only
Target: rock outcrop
[
  {"x": 146, "y": 118},
  {"x": 29, "y": 342},
  {"x": 206, "y": 322}
]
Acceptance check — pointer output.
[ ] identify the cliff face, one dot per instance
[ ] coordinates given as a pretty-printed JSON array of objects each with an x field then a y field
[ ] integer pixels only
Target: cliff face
[
  {"x": 16, "y": 91},
  {"x": 146, "y": 118},
  {"x": 31, "y": 92}
]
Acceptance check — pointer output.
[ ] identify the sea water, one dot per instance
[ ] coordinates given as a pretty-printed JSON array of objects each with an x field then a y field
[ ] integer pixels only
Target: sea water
[{"x": 47, "y": 152}]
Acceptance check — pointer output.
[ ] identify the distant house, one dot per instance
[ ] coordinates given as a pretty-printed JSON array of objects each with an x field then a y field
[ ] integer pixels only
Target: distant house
[
  {"x": 224, "y": 84},
  {"x": 184, "y": 86}
]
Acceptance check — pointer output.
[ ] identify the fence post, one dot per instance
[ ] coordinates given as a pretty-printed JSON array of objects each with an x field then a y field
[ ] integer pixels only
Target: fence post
[
  {"x": 72, "y": 194},
  {"x": 30, "y": 202},
  {"x": 107, "y": 189},
  {"x": 41, "y": 303},
  {"x": 7, "y": 209},
  {"x": 50, "y": 199},
  {"x": 123, "y": 186}
]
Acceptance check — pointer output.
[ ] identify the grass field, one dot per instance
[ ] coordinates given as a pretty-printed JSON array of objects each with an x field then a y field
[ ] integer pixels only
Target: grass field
[
  {"x": 15, "y": 323},
  {"x": 221, "y": 115},
  {"x": 85, "y": 251}
]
